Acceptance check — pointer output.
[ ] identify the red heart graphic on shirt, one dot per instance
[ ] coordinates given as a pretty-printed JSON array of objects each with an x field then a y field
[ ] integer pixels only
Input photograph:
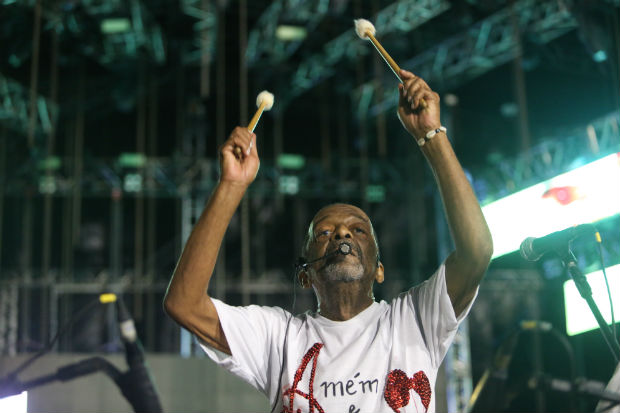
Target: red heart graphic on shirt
[{"x": 397, "y": 388}]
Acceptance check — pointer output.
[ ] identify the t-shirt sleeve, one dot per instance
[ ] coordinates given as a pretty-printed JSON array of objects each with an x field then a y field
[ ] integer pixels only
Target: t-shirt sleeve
[
  {"x": 254, "y": 334},
  {"x": 434, "y": 313}
]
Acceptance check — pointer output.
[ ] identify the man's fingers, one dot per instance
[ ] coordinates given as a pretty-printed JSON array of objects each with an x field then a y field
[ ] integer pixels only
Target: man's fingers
[
  {"x": 405, "y": 74},
  {"x": 239, "y": 138},
  {"x": 253, "y": 149},
  {"x": 412, "y": 87}
]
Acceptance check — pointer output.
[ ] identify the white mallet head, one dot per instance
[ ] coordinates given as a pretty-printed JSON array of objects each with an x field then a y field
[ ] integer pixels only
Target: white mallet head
[
  {"x": 265, "y": 97},
  {"x": 362, "y": 26}
]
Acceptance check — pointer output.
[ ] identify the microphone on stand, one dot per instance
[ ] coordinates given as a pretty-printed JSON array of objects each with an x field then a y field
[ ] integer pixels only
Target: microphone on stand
[
  {"x": 136, "y": 384},
  {"x": 534, "y": 248}
]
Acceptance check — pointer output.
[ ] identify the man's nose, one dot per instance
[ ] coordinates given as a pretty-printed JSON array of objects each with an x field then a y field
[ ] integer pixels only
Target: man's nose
[{"x": 342, "y": 232}]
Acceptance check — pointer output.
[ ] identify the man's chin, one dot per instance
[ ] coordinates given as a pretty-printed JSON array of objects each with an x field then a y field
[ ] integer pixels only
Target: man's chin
[{"x": 344, "y": 273}]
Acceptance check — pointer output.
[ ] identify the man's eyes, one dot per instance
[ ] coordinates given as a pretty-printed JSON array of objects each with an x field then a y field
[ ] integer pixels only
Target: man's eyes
[{"x": 327, "y": 232}]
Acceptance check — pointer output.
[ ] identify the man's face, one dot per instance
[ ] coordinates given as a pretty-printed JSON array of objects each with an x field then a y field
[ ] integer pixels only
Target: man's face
[{"x": 332, "y": 226}]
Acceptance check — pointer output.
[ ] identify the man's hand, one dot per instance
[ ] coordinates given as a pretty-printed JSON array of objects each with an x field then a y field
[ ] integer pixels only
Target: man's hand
[
  {"x": 239, "y": 169},
  {"x": 418, "y": 105}
]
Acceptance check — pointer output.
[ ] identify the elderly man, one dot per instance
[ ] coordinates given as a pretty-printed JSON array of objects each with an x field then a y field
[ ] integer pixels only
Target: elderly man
[{"x": 353, "y": 354}]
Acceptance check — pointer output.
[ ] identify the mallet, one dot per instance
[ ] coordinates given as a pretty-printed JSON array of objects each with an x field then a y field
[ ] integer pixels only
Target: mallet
[
  {"x": 264, "y": 101},
  {"x": 366, "y": 30}
]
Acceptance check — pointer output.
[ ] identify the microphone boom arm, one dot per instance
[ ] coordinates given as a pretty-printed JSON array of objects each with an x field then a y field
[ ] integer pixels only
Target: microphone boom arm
[{"x": 72, "y": 371}]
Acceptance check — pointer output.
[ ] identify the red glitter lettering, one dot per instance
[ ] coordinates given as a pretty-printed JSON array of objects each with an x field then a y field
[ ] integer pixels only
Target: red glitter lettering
[{"x": 311, "y": 354}]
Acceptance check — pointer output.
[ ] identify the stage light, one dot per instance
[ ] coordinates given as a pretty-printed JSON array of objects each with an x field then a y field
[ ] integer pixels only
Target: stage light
[
  {"x": 132, "y": 182},
  {"x": 587, "y": 194},
  {"x": 288, "y": 33},
  {"x": 290, "y": 161},
  {"x": 288, "y": 184},
  {"x": 579, "y": 318},
  {"x": 15, "y": 404},
  {"x": 375, "y": 193},
  {"x": 599, "y": 56},
  {"x": 51, "y": 163},
  {"x": 115, "y": 25},
  {"x": 132, "y": 160}
]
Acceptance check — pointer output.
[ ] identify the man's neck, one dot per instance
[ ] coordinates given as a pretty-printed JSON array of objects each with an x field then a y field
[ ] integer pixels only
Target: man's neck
[{"x": 342, "y": 302}]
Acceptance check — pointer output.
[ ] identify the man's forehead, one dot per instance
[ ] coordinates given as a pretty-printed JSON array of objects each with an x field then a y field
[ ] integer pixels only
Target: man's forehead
[{"x": 341, "y": 211}]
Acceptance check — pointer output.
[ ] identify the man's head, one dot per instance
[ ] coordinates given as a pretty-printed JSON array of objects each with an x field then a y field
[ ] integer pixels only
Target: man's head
[{"x": 331, "y": 226}]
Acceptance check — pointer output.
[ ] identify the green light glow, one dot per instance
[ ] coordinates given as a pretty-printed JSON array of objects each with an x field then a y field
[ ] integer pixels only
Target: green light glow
[
  {"x": 584, "y": 195},
  {"x": 115, "y": 25},
  {"x": 291, "y": 161},
  {"x": 375, "y": 193},
  {"x": 132, "y": 160},
  {"x": 579, "y": 318}
]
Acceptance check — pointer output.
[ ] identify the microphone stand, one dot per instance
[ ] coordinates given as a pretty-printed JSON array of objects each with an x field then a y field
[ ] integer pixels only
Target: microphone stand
[
  {"x": 11, "y": 385},
  {"x": 585, "y": 291},
  {"x": 128, "y": 383},
  {"x": 580, "y": 386}
]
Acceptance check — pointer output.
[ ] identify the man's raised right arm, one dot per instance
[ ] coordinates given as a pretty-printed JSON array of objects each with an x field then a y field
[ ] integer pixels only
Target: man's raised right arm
[{"x": 186, "y": 299}]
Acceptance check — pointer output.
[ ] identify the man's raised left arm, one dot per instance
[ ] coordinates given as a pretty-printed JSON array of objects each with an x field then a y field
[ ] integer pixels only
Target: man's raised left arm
[{"x": 418, "y": 110}]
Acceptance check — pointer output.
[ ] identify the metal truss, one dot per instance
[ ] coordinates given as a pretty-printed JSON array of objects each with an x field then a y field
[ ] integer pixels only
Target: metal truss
[
  {"x": 402, "y": 16},
  {"x": 205, "y": 29},
  {"x": 185, "y": 176},
  {"x": 14, "y": 104},
  {"x": 143, "y": 34},
  {"x": 262, "y": 41},
  {"x": 182, "y": 177},
  {"x": 484, "y": 46},
  {"x": 548, "y": 159}
]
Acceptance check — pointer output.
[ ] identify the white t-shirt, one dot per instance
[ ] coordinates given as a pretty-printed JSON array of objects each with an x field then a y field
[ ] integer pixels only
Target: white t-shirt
[{"x": 385, "y": 359}]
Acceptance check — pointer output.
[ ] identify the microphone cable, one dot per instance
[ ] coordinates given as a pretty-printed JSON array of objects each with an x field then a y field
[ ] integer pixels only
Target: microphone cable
[{"x": 105, "y": 298}]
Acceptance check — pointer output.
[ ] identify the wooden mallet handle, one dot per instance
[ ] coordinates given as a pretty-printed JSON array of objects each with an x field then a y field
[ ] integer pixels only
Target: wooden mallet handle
[
  {"x": 388, "y": 59},
  {"x": 253, "y": 123}
]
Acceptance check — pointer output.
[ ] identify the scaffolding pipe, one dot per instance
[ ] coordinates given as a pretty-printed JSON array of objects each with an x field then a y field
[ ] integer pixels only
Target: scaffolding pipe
[
  {"x": 34, "y": 73},
  {"x": 243, "y": 115},
  {"x": 151, "y": 214},
  {"x": 48, "y": 199},
  {"x": 220, "y": 126}
]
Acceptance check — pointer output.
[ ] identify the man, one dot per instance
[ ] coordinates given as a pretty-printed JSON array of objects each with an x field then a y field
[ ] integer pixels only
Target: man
[{"x": 353, "y": 354}]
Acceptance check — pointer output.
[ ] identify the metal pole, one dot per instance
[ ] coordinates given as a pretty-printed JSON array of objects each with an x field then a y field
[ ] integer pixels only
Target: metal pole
[
  {"x": 3, "y": 139},
  {"x": 151, "y": 217},
  {"x": 381, "y": 128},
  {"x": 139, "y": 201},
  {"x": 26, "y": 270},
  {"x": 220, "y": 125},
  {"x": 363, "y": 131},
  {"x": 48, "y": 199},
  {"x": 205, "y": 56},
  {"x": 324, "y": 125},
  {"x": 67, "y": 240},
  {"x": 342, "y": 140},
  {"x": 78, "y": 156},
  {"x": 34, "y": 73},
  {"x": 520, "y": 89},
  {"x": 243, "y": 116}
]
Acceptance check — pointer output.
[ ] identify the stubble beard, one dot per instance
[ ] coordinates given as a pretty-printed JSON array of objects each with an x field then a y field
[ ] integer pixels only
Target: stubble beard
[{"x": 337, "y": 272}]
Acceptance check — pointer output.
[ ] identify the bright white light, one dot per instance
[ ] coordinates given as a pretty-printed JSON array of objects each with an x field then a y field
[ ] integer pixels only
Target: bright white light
[
  {"x": 579, "y": 317},
  {"x": 15, "y": 404},
  {"x": 584, "y": 195}
]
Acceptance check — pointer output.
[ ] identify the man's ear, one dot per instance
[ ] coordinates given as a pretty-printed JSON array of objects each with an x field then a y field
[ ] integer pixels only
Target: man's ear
[
  {"x": 379, "y": 273},
  {"x": 304, "y": 279}
]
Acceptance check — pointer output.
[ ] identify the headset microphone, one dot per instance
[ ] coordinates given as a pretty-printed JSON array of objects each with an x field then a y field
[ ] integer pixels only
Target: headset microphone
[{"x": 344, "y": 249}]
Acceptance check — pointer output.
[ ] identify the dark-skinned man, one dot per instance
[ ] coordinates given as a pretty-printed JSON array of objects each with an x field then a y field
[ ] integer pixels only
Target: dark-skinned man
[{"x": 353, "y": 354}]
